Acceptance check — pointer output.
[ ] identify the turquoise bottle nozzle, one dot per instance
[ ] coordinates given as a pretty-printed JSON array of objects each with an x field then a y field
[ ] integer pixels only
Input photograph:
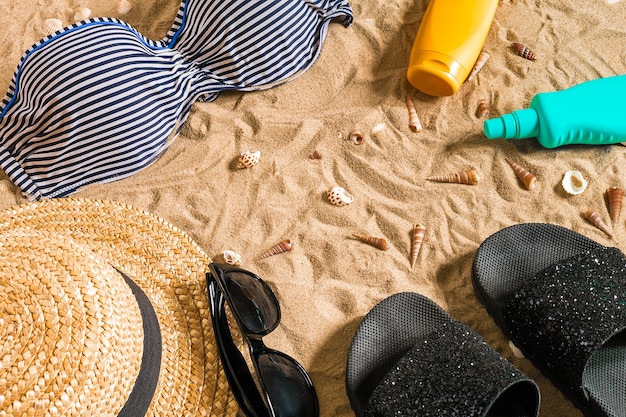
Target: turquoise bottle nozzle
[{"x": 519, "y": 124}]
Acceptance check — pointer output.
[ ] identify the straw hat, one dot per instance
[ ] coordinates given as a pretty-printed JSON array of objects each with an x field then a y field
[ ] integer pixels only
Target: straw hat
[{"x": 104, "y": 311}]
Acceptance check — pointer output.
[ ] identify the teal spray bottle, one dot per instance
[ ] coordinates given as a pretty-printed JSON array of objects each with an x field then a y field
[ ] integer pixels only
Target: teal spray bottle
[{"x": 590, "y": 113}]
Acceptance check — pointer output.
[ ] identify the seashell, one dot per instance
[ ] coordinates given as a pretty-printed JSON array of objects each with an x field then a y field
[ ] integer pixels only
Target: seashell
[
  {"x": 414, "y": 122},
  {"x": 615, "y": 195},
  {"x": 248, "y": 159},
  {"x": 356, "y": 137},
  {"x": 483, "y": 108},
  {"x": 338, "y": 196},
  {"x": 6, "y": 186},
  {"x": 516, "y": 351},
  {"x": 82, "y": 13},
  {"x": 418, "y": 237},
  {"x": 573, "y": 182},
  {"x": 464, "y": 177},
  {"x": 51, "y": 26},
  {"x": 478, "y": 65},
  {"x": 523, "y": 51},
  {"x": 523, "y": 174},
  {"x": 315, "y": 155},
  {"x": 123, "y": 6},
  {"x": 595, "y": 219},
  {"x": 280, "y": 247},
  {"x": 232, "y": 258},
  {"x": 377, "y": 242},
  {"x": 378, "y": 128}
]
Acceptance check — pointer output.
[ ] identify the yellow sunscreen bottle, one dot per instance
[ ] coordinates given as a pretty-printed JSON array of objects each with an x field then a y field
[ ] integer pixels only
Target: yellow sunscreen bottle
[{"x": 447, "y": 44}]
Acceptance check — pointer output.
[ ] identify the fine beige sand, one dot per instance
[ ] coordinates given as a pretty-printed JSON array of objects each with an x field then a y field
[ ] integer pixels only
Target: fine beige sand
[{"x": 329, "y": 280}]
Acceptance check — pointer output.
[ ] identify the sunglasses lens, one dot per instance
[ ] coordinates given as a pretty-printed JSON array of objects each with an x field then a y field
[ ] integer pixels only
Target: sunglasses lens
[
  {"x": 289, "y": 389},
  {"x": 253, "y": 302}
]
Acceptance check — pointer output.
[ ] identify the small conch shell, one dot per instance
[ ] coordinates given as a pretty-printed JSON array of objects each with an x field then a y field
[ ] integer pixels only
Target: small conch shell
[
  {"x": 315, "y": 155},
  {"x": 248, "y": 159},
  {"x": 232, "y": 258},
  {"x": 483, "y": 108},
  {"x": 414, "y": 122},
  {"x": 573, "y": 182},
  {"x": 523, "y": 51},
  {"x": 82, "y": 13},
  {"x": 615, "y": 195},
  {"x": 123, "y": 6},
  {"x": 280, "y": 247},
  {"x": 377, "y": 242},
  {"x": 464, "y": 177},
  {"x": 418, "y": 237},
  {"x": 338, "y": 196},
  {"x": 356, "y": 136},
  {"x": 51, "y": 26},
  {"x": 523, "y": 174},
  {"x": 595, "y": 219},
  {"x": 479, "y": 64}
]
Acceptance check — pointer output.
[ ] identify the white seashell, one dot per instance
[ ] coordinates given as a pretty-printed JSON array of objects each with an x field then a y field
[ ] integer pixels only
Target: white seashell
[
  {"x": 232, "y": 258},
  {"x": 248, "y": 159},
  {"x": 339, "y": 196},
  {"x": 123, "y": 6},
  {"x": 574, "y": 183},
  {"x": 516, "y": 351},
  {"x": 51, "y": 26},
  {"x": 82, "y": 13}
]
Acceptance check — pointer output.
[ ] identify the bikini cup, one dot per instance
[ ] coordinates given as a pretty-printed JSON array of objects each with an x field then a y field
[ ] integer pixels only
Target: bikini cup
[{"x": 97, "y": 101}]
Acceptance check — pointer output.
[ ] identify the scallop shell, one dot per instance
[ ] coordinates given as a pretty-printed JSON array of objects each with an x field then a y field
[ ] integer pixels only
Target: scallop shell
[
  {"x": 248, "y": 159},
  {"x": 356, "y": 136},
  {"x": 6, "y": 186},
  {"x": 573, "y": 182},
  {"x": 464, "y": 177},
  {"x": 483, "y": 109},
  {"x": 377, "y": 242},
  {"x": 51, "y": 26},
  {"x": 523, "y": 51},
  {"x": 82, "y": 13},
  {"x": 414, "y": 122},
  {"x": 338, "y": 196},
  {"x": 523, "y": 174},
  {"x": 418, "y": 237},
  {"x": 478, "y": 65},
  {"x": 615, "y": 197},
  {"x": 280, "y": 247},
  {"x": 594, "y": 217},
  {"x": 123, "y": 6},
  {"x": 231, "y": 257}
]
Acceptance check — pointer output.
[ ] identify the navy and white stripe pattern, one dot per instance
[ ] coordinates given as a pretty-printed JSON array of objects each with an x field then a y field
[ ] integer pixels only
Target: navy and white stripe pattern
[{"x": 97, "y": 101}]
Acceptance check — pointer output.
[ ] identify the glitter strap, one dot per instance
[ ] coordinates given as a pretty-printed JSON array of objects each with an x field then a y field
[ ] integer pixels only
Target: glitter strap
[
  {"x": 567, "y": 311},
  {"x": 452, "y": 371}
]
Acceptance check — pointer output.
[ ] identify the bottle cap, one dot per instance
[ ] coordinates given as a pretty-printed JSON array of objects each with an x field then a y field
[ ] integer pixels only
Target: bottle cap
[
  {"x": 519, "y": 124},
  {"x": 435, "y": 74}
]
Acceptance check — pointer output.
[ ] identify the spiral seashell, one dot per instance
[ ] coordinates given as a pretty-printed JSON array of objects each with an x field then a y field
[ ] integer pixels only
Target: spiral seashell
[
  {"x": 82, "y": 13},
  {"x": 464, "y": 177},
  {"x": 418, "y": 237},
  {"x": 280, "y": 247},
  {"x": 232, "y": 258},
  {"x": 338, "y": 196},
  {"x": 51, "y": 26},
  {"x": 594, "y": 217},
  {"x": 414, "y": 122},
  {"x": 483, "y": 108},
  {"x": 478, "y": 65},
  {"x": 523, "y": 51},
  {"x": 377, "y": 242},
  {"x": 123, "y": 6},
  {"x": 315, "y": 155},
  {"x": 573, "y": 182},
  {"x": 615, "y": 196},
  {"x": 523, "y": 174},
  {"x": 248, "y": 159},
  {"x": 356, "y": 136}
]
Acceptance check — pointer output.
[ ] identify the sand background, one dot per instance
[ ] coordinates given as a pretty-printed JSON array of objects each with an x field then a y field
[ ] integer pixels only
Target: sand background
[{"x": 329, "y": 281}]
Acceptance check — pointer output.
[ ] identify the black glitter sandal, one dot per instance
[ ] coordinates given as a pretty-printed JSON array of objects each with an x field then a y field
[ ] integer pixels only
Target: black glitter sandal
[
  {"x": 410, "y": 358},
  {"x": 561, "y": 298}
]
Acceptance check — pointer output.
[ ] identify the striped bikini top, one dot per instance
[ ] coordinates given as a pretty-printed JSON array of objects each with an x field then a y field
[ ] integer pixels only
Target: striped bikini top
[{"x": 97, "y": 101}]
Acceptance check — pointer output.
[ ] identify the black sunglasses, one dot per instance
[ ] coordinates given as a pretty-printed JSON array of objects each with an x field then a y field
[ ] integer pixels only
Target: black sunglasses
[{"x": 287, "y": 390}]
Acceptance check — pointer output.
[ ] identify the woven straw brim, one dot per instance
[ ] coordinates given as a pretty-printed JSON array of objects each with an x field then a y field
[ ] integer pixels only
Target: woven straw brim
[{"x": 69, "y": 324}]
